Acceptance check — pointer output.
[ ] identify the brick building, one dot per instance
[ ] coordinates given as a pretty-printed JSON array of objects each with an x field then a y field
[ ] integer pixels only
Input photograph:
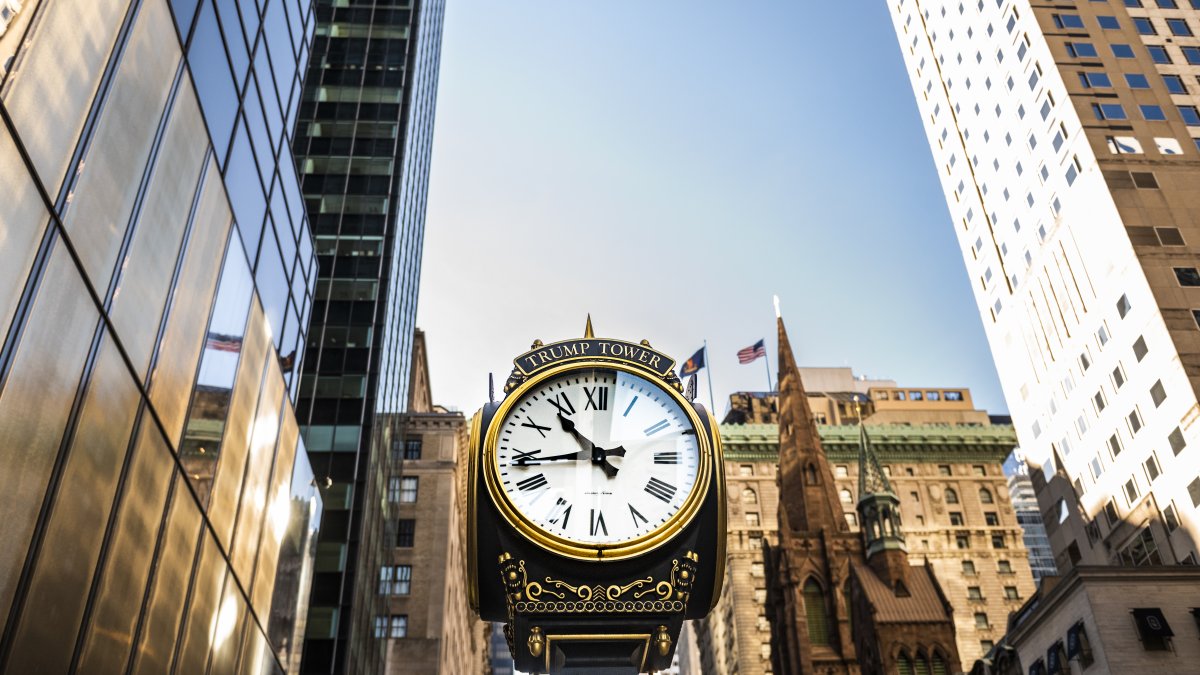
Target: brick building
[{"x": 940, "y": 443}]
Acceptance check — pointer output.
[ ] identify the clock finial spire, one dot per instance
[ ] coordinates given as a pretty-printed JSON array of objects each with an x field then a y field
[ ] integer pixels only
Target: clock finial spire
[{"x": 587, "y": 329}]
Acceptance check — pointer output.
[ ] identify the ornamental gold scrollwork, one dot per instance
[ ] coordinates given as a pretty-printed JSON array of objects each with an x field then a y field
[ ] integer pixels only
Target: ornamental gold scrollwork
[{"x": 638, "y": 595}]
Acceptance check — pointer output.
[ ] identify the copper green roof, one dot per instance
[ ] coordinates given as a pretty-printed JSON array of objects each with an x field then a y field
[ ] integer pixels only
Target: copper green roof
[{"x": 891, "y": 442}]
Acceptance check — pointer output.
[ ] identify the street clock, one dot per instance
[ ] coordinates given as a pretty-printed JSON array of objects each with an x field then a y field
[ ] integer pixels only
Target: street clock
[{"x": 596, "y": 512}]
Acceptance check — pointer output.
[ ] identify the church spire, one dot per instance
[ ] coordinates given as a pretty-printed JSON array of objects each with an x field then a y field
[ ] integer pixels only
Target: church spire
[
  {"x": 808, "y": 498},
  {"x": 879, "y": 517}
]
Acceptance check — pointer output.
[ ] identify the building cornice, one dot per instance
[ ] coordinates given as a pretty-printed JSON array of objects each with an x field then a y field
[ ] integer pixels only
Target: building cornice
[{"x": 895, "y": 442}]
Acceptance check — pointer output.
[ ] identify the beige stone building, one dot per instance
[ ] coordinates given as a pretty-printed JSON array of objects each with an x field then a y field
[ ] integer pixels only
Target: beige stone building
[
  {"x": 943, "y": 459},
  {"x": 1105, "y": 619},
  {"x": 429, "y": 626}
]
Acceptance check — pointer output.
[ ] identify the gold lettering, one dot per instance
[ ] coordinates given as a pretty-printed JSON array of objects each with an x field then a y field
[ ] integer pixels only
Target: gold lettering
[
  {"x": 644, "y": 357},
  {"x": 542, "y": 355},
  {"x": 556, "y": 352},
  {"x": 532, "y": 361},
  {"x": 570, "y": 350},
  {"x": 654, "y": 362},
  {"x": 585, "y": 346},
  {"x": 604, "y": 348}
]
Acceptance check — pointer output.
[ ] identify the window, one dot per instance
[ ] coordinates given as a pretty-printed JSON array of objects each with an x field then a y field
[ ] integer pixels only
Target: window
[
  {"x": 956, "y": 518},
  {"x": 1098, "y": 399},
  {"x": 1171, "y": 518},
  {"x": 998, "y": 541},
  {"x": 968, "y": 568},
  {"x": 992, "y": 518},
  {"x": 842, "y": 471},
  {"x": 1158, "y": 394},
  {"x": 943, "y": 469},
  {"x": 963, "y": 541},
  {"x": 985, "y": 496},
  {"x": 1096, "y": 467},
  {"x": 1175, "y": 438},
  {"x": 979, "y": 470},
  {"x": 981, "y": 620},
  {"x": 1179, "y": 27},
  {"x": 393, "y": 490},
  {"x": 1004, "y": 567},
  {"x": 845, "y": 496},
  {"x": 381, "y": 624},
  {"x": 951, "y": 496},
  {"x": 1108, "y": 22},
  {"x": 1174, "y": 84},
  {"x": 752, "y": 519},
  {"x": 1109, "y": 111},
  {"x": 986, "y": 646},
  {"x": 1110, "y": 512},
  {"x": 1153, "y": 113},
  {"x": 408, "y": 489},
  {"x": 1137, "y": 81},
  {"x": 816, "y": 613},
  {"x": 1010, "y": 593},
  {"x": 756, "y": 569},
  {"x": 1194, "y": 491},
  {"x": 1191, "y": 55},
  {"x": 412, "y": 448},
  {"x": 1067, "y": 21},
  {"x": 749, "y": 496},
  {"x": 399, "y": 626},
  {"x": 1143, "y": 26},
  {"x": 405, "y": 531},
  {"x": 1120, "y": 51},
  {"x": 1144, "y": 179},
  {"x": 1139, "y": 349},
  {"x": 1152, "y": 469},
  {"x": 852, "y": 519},
  {"x": 756, "y": 540},
  {"x": 974, "y": 593},
  {"x": 1135, "y": 421},
  {"x": 1118, "y": 377},
  {"x": 1190, "y": 115},
  {"x": 1158, "y": 54},
  {"x": 395, "y": 579},
  {"x": 1095, "y": 80},
  {"x": 1085, "y": 50},
  {"x": 1131, "y": 491},
  {"x": 746, "y": 470}
]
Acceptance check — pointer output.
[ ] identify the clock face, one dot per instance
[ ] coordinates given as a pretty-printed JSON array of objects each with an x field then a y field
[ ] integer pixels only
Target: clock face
[{"x": 597, "y": 456}]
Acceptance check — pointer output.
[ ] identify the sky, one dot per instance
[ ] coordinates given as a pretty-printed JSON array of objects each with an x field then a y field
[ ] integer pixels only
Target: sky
[{"x": 667, "y": 167}]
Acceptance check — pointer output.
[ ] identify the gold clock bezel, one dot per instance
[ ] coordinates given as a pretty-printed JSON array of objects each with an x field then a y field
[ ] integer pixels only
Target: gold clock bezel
[{"x": 569, "y": 547}]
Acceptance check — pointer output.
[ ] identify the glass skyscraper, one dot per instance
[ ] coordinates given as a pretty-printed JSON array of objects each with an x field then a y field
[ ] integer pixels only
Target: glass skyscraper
[
  {"x": 363, "y": 140},
  {"x": 159, "y": 511}
]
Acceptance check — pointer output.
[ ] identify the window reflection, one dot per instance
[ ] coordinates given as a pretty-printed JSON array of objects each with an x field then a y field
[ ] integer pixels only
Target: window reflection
[
  {"x": 218, "y": 368},
  {"x": 214, "y": 82},
  {"x": 297, "y": 552}
]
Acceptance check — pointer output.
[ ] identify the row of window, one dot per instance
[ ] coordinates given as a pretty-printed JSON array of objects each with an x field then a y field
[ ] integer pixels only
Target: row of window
[
  {"x": 395, "y": 580},
  {"x": 1144, "y": 25},
  {"x": 1099, "y": 79},
  {"x": 1151, "y": 113},
  {"x": 394, "y": 626}
]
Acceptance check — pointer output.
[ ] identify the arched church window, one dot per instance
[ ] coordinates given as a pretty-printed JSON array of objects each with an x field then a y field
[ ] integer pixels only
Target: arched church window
[
  {"x": 920, "y": 665},
  {"x": 938, "y": 664},
  {"x": 951, "y": 496},
  {"x": 749, "y": 496},
  {"x": 904, "y": 665},
  {"x": 985, "y": 496},
  {"x": 816, "y": 613},
  {"x": 811, "y": 474}
]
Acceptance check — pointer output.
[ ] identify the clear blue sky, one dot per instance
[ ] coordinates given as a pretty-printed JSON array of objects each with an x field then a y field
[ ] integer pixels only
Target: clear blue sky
[{"x": 668, "y": 166}]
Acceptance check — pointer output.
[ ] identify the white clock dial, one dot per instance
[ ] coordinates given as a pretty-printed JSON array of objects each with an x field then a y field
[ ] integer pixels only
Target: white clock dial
[{"x": 597, "y": 456}]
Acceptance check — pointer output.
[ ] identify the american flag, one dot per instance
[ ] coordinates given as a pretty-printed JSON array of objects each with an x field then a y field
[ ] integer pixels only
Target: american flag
[
  {"x": 223, "y": 343},
  {"x": 752, "y": 353}
]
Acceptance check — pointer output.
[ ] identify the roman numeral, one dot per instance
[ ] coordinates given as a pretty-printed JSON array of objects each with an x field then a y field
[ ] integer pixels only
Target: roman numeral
[
  {"x": 671, "y": 457},
  {"x": 664, "y": 491},
  {"x": 534, "y": 425},
  {"x": 533, "y": 482},
  {"x": 633, "y": 513},
  {"x": 598, "y": 523},
  {"x": 564, "y": 407},
  {"x": 522, "y": 457},
  {"x": 561, "y": 510},
  {"x": 597, "y": 398},
  {"x": 656, "y": 427}
]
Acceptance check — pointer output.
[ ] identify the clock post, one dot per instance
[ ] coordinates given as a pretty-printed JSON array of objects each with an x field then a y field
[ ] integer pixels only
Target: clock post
[{"x": 596, "y": 508}]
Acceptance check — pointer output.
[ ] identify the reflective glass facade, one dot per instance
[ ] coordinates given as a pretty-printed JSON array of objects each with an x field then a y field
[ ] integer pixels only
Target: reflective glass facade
[
  {"x": 160, "y": 514},
  {"x": 363, "y": 145}
]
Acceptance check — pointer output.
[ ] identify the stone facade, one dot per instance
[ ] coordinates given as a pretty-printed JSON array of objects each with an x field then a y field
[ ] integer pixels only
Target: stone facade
[
  {"x": 952, "y": 449},
  {"x": 424, "y": 587},
  {"x": 1101, "y": 600}
]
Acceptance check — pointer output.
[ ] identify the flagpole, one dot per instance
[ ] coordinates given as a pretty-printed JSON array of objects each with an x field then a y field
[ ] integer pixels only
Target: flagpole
[
  {"x": 708, "y": 367},
  {"x": 767, "y": 361}
]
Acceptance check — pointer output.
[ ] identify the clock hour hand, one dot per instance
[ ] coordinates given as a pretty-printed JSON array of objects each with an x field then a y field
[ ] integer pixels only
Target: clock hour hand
[{"x": 599, "y": 455}]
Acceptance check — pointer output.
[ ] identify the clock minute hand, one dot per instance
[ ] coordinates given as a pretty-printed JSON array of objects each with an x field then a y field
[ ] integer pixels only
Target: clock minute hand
[{"x": 533, "y": 461}]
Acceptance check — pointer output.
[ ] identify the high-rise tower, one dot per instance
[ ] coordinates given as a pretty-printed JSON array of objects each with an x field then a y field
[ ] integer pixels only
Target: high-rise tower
[
  {"x": 158, "y": 511},
  {"x": 1066, "y": 136},
  {"x": 364, "y": 139}
]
